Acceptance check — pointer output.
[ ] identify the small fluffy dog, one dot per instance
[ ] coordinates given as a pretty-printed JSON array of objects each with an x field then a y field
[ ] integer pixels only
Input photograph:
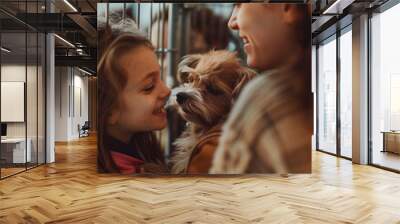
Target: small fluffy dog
[{"x": 211, "y": 83}]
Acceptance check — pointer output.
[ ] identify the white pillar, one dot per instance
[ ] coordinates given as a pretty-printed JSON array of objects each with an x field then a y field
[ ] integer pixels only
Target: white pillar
[
  {"x": 360, "y": 89},
  {"x": 50, "y": 93}
]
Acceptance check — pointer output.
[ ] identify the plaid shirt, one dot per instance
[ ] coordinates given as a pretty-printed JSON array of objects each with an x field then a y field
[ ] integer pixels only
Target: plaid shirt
[{"x": 269, "y": 128}]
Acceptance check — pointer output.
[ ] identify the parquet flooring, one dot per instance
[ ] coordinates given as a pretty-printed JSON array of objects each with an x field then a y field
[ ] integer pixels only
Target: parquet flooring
[
  {"x": 10, "y": 171},
  {"x": 71, "y": 191}
]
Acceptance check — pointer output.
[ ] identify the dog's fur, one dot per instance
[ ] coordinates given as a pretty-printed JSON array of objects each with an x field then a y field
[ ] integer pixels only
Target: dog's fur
[{"x": 211, "y": 83}]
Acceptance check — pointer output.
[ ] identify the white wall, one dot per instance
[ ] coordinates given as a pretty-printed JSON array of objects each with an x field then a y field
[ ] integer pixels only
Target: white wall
[
  {"x": 13, "y": 73},
  {"x": 80, "y": 110},
  {"x": 71, "y": 94},
  {"x": 61, "y": 103}
]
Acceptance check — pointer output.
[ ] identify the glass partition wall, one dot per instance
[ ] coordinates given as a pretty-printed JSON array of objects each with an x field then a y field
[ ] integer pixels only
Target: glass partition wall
[
  {"x": 334, "y": 94},
  {"x": 22, "y": 88}
]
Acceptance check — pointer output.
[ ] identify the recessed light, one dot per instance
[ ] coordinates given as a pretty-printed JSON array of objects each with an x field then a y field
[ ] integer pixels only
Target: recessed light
[
  {"x": 337, "y": 7},
  {"x": 64, "y": 40},
  {"x": 84, "y": 71},
  {"x": 5, "y": 50},
  {"x": 70, "y": 5}
]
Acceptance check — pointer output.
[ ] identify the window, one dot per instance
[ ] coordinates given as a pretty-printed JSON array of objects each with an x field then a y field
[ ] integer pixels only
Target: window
[
  {"x": 346, "y": 93},
  {"x": 327, "y": 96},
  {"x": 385, "y": 89}
]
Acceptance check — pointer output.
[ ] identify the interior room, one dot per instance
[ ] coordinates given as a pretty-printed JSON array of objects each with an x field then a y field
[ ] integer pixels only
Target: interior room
[{"x": 22, "y": 102}]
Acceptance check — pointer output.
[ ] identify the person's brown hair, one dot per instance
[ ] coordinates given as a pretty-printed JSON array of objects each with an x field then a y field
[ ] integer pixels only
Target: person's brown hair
[
  {"x": 205, "y": 22},
  {"x": 303, "y": 24},
  {"x": 212, "y": 26},
  {"x": 111, "y": 79}
]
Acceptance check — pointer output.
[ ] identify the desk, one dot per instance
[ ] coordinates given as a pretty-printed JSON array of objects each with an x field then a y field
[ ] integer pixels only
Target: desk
[
  {"x": 13, "y": 150},
  {"x": 391, "y": 141}
]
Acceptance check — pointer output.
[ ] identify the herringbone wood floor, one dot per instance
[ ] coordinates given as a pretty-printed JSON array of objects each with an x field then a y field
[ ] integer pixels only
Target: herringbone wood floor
[{"x": 70, "y": 191}]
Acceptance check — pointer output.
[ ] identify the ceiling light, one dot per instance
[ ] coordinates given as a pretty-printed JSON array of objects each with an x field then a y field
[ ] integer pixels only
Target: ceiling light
[
  {"x": 70, "y": 5},
  {"x": 337, "y": 7},
  {"x": 5, "y": 50},
  {"x": 84, "y": 71},
  {"x": 64, "y": 40}
]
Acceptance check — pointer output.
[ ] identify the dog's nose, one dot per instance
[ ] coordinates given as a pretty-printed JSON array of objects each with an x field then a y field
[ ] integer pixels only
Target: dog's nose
[{"x": 181, "y": 97}]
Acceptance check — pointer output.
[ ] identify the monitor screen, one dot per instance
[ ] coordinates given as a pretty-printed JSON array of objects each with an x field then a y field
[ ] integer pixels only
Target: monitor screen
[{"x": 3, "y": 129}]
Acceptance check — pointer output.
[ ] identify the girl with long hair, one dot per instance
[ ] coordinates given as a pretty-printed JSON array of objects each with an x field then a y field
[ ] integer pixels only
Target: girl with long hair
[{"x": 131, "y": 102}]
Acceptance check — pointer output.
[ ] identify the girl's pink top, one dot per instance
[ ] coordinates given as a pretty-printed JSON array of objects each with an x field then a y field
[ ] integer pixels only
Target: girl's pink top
[{"x": 125, "y": 163}]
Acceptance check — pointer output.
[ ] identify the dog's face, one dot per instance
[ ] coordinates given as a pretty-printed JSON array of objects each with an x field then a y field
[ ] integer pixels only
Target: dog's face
[{"x": 210, "y": 83}]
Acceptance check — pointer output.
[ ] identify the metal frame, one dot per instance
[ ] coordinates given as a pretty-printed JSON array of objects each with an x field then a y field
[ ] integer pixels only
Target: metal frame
[
  {"x": 0, "y": 92},
  {"x": 37, "y": 91},
  {"x": 45, "y": 90},
  {"x": 369, "y": 78},
  {"x": 316, "y": 98},
  {"x": 338, "y": 98},
  {"x": 26, "y": 87}
]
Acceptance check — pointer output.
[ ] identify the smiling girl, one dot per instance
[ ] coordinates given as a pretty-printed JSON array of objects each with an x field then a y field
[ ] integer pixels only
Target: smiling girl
[{"x": 132, "y": 98}]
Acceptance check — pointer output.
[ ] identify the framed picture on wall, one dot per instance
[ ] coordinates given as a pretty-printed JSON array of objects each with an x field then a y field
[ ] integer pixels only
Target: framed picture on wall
[{"x": 216, "y": 88}]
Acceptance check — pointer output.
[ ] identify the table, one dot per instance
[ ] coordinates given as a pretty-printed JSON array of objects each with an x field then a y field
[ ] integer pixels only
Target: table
[
  {"x": 13, "y": 150},
  {"x": 391, "y": 141}
]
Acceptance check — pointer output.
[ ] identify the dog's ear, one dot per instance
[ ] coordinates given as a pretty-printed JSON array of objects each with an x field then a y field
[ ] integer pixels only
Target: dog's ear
[
  {"x": 245, "y": 75},
  {"x": 187, "y": 65}
]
